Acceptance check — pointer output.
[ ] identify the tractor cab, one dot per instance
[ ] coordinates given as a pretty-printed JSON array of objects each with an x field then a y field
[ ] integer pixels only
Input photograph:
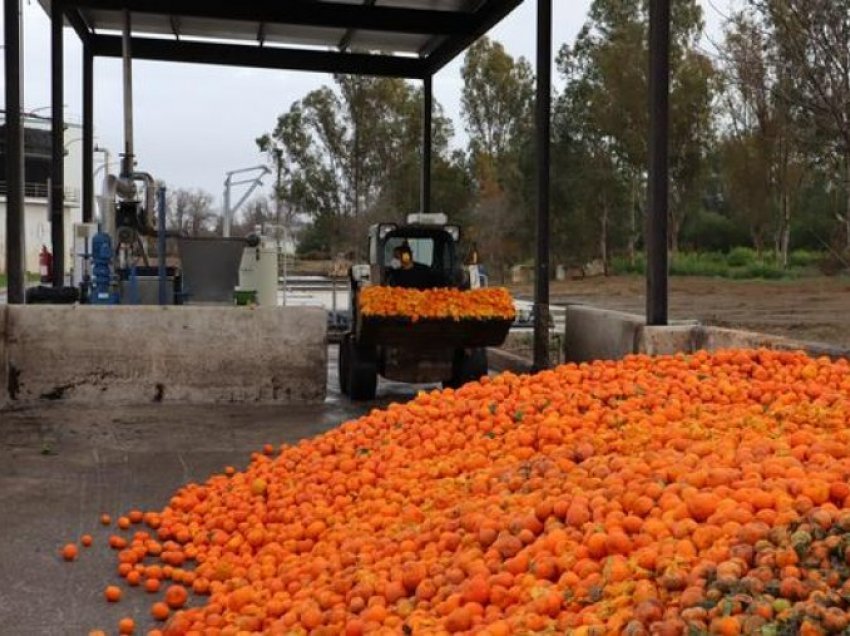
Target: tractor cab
[{"x": 420, "y": 255}]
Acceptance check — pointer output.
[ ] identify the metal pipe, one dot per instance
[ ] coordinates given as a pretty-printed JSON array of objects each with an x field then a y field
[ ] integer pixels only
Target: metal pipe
[
  {"x": 88, "y": 134},
  {"x": 57, "y": 174},
  {"x": 544, "y": 124},
  {"x": 427, "y": 143},
  {"x": 14, "y": 153},
  {"x": 658, "y": 202},
  {"x": 150, "y": 195},
  {"x": 160, "y": 247},
  {"x": 127, "y": 54},
  {"x": 226, "y": 220}
]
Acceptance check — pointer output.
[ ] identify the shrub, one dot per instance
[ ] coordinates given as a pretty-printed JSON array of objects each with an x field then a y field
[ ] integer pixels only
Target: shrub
[{"x": 741, "y": 257}]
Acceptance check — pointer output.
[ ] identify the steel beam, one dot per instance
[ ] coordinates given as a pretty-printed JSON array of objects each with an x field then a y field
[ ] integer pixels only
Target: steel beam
[
  {"x": 657, "y": 284},
  {"x": 75, "y": 19},
  {"x": 427, "y": 144},
  {"x": 88, "y": 134},
  {"x": 441, "y": 51},
  {"x": 345, "y": 42},
  {"x": 543, "y": 132},
  {"x": 262, "y": 57},
  {"x": 332, "y": 15},
  {"x": 14, "y": 152},
  {"x": 57, "y": 173}
]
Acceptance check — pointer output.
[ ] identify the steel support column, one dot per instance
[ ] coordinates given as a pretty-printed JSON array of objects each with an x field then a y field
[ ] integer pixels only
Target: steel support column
[
  {"x": 57, "y": 173},
  {"x": 14, "y": 153},
  {"x": 657, "y": 287},
  {"x": 427, "y": 144},
  {"x": 544, "y": 125},
  {"x": 88, "y": 134}
]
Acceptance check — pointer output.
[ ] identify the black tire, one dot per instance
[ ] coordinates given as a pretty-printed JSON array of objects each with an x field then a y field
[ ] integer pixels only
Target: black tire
[
  {"x": 468, "y": 366},
  {"x": 344, "y": 364},
  {"x": 362, "y": 373}
]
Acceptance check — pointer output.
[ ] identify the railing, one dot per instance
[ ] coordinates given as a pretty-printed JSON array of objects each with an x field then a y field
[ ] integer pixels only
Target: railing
[{"x": 34, "y": 190}]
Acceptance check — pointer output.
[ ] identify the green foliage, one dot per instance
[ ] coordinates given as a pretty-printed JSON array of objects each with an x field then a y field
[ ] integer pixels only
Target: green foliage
[
  {"x": 741, "y": 257},
  {"x": 712, "y": 232},
  {"x": 739, "y": 264}
]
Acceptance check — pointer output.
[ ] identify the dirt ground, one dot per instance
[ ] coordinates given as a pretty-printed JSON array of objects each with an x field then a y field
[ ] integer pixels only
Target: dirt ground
[{"x": 812, "y": 309}]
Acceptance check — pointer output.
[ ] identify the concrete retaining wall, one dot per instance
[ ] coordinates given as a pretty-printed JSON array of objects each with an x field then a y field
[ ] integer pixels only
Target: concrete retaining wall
[
  {"x": 164, "y": 354},
  {"x": 599, "y": 334},
  {"x": 669, "y": 340}
]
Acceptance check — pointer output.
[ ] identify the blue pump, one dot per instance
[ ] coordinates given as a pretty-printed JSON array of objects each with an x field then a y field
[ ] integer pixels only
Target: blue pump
[{"x": 102, "y": 293}]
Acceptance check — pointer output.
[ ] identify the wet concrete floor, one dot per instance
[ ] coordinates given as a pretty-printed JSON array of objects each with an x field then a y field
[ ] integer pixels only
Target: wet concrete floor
[{"x": 62, "y": 466}]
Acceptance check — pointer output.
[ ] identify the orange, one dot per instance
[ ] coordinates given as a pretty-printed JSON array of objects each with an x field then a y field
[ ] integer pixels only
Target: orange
[{"x": 69, "y": 552}]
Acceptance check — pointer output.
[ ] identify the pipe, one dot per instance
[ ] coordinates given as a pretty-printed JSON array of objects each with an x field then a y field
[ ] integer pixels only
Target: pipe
[
  {"x": 427, "y": 145},
  {"x": 88, "y": 134},
  {"x": 127, "y": 53},
  {"x": 57, "y": 164},
  {"x": 14, "y": 153},
  {"x": 150, "y": 194},
  {"x": 657, "y": 284},
  {"x": 160, "y": 249},
  {"x": 544, "y": 127}
]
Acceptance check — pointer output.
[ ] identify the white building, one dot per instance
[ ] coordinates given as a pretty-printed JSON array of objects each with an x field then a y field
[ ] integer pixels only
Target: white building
[{"x": 36, "y": 174}]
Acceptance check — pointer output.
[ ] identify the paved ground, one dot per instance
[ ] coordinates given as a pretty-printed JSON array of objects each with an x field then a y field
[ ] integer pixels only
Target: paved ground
[{"x": 60, "y": 467}]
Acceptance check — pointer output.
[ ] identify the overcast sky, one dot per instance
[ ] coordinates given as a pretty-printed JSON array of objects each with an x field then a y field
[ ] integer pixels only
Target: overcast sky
[{"x": 194, "y": 122}]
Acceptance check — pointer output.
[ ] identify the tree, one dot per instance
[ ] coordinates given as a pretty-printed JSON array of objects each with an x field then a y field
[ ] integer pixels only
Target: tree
[
  {"x": 190, "y": 211},
  {"x": 497, "y": 108},
  {"x": 812, "y": 39},
  {"x": 342, "y": 150},
  {"x": 607, "y": 82},
  {"x": 497, "y": 99}
]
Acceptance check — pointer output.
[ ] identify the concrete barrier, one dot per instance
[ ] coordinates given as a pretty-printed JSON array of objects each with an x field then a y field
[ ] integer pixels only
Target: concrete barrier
[
  {"x": 670, "y": 340},
  {"x": 163, "y": 354},
  {"x": 599, "y": 334}
]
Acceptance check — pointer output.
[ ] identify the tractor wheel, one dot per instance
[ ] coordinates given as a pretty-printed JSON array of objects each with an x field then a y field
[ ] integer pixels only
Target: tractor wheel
[
  {"x": 468, "y": 366},
  {"x": 362, "y": 372},
  {"x": 344, "y": 364}
]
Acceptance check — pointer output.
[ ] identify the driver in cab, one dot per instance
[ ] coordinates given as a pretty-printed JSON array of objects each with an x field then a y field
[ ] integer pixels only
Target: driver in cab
[{"x": 408, "y": 273}]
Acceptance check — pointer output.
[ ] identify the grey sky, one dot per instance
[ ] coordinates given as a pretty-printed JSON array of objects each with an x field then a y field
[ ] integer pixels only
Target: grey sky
[{"x": 194, "y": 122}]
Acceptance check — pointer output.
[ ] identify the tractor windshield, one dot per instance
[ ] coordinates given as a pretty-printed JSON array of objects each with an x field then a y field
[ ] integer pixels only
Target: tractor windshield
[
  {"x": 421, "y": 248},
  {"x": 430, "y": 256}
]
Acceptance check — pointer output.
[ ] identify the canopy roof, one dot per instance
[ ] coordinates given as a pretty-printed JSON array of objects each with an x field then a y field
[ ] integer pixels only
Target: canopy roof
[{"x": 406, "y": 38}]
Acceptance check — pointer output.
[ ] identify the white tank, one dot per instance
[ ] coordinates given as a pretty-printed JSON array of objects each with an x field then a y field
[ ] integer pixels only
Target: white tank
[{"x": 259, "y": 272}]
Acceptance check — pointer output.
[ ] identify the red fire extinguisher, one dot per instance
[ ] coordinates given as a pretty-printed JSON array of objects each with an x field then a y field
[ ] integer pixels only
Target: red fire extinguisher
[{"x": 45, "y": 264}]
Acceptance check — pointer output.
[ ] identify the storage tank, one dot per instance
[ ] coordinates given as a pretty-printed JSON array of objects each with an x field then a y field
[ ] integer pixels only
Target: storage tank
[{"x": 259, "y": 271}]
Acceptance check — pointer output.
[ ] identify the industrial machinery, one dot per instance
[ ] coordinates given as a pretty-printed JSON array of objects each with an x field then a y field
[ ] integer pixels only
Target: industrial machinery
[
  {"x": 447, "y": 351},
  {"x": 111, "y": 262}
]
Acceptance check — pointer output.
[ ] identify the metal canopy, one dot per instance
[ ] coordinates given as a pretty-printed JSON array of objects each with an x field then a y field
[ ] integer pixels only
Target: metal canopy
[{"x": 404, "y": 38}]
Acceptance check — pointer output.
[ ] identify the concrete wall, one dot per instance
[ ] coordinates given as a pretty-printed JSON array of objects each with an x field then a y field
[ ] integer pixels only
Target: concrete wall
[
  {"x": 155, "y": 354},
  {"x": 669, "y": 340},
  {"x": 37, "y": 232},
  {"x": 599, "y": 334}
]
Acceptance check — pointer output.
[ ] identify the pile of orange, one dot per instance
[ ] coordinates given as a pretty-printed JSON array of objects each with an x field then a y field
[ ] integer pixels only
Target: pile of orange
[
  {"x": 437, "y": 304},
  {"x": 686, "y": 494}
]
